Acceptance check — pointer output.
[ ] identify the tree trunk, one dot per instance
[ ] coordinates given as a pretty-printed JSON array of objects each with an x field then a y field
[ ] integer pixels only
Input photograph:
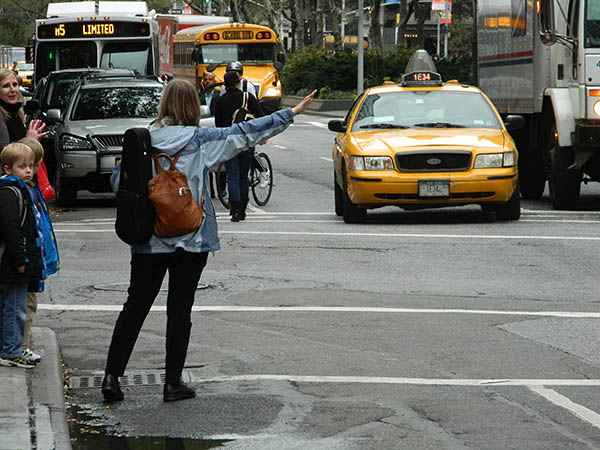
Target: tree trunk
[
  {"x": 375, "y": 28},
  {"x": 407, "y": 8},
  {"x": 235, "y": 14},
  {"x": 335, "y": 15}
]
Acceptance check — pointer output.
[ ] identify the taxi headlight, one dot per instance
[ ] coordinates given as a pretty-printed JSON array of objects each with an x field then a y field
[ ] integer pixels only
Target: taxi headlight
[
  {"x": 495, "y": 160},
  {"x": 371, "y": 163}
]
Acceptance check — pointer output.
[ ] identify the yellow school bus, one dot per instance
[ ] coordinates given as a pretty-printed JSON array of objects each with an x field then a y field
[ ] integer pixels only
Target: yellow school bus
[{"x": 212, "y": 47}]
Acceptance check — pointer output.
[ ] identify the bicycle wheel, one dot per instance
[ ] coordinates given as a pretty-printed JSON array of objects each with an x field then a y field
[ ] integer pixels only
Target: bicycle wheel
[
  {"x": 261, "y": 178},
  {"x": 221, "y": 182}
]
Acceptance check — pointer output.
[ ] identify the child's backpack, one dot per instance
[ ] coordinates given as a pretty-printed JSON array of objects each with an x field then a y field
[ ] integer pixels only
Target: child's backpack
[
  {"x": 242, "y": 114},
  {"x": 135, "y": 214},
  {"x": 22, "y": 211},
  {"x": 177, "y": 213}
]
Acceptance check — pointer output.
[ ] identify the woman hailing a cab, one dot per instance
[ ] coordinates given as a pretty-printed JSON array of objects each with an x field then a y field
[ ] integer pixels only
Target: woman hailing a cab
[{"x": 184, "y": 257}]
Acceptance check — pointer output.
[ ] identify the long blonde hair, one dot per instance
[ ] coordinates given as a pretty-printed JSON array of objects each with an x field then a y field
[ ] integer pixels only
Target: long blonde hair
[
  {"x": 4, "y": 73},
  {"x": 179, "y": 104}
]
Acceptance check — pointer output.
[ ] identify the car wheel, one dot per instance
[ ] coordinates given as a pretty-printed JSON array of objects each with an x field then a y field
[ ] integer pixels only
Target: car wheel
[
  {"x": 65, "y": 193},
  {"x": 338, "y": 196},
  {"x": 351, "y": 212},
  {"x": 511, "y": 210}
]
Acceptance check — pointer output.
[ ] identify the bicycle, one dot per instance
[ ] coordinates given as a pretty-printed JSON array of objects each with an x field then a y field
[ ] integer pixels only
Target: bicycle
[{"x": 260, "y": 179}]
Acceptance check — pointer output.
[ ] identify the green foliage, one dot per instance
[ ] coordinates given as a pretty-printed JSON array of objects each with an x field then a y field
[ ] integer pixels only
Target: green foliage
[{"x": 334, "y": 76}]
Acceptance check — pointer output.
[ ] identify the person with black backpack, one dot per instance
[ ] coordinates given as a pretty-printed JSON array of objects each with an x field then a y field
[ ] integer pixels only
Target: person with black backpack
[
  {"x": 235, "y": 106},
  {"x": 176, "y": 131}
]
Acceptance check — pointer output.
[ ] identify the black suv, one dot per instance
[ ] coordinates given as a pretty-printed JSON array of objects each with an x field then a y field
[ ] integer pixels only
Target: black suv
[{"x": 54, "y": 92}]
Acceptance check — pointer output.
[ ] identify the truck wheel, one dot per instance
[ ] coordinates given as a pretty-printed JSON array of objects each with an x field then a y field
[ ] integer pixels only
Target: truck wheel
[
  {"x": 338, "y": 196},
  {"x": 565, "y": 186},
  {"x": 511, "y": 210},
  {"x": 532, "y": 179},
  {"x": 65, "y": 193},
  {"x": 351, "y": 212}
]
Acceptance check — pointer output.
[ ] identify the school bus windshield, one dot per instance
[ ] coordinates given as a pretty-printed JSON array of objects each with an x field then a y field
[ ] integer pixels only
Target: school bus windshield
[{"x": 223, "y": 53}]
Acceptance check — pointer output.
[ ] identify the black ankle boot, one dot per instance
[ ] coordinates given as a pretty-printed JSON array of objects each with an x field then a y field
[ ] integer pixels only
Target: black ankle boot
[
  {"x": 111, "y": 388},
  {"x": 236, "y": 211},
  {"x": 179, "y": 391},
  {"x": 243, "y": 206}
]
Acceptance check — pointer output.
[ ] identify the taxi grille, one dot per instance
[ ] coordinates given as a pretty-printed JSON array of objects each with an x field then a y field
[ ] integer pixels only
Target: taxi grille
[
  {"x": 439, "y": 161},
  {"x": 109, "y": 141}
]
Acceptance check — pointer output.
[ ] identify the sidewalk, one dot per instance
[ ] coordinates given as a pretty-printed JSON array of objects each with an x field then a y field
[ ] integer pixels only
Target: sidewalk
[{"x": 32, "y": 407}]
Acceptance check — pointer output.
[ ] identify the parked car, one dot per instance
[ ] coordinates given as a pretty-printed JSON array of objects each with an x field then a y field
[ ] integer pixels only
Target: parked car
[
  {"x": 54, "y": 91},
  {"x": 424, "y": 143},
  {"x": 88, "y": 134}
]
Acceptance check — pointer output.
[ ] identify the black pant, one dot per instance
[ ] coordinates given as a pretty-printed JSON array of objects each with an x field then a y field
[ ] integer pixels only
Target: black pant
[{"x": 147, "y": 273}]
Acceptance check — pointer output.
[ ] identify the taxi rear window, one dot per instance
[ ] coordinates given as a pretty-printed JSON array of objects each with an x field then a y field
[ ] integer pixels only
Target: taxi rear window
[{"x": 425, "y": 109}]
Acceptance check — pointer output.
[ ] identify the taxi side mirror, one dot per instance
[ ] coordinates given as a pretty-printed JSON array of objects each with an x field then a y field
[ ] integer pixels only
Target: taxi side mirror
[
  {"x": 337, "y": 125},
  {"x": 514, "y": 122}
]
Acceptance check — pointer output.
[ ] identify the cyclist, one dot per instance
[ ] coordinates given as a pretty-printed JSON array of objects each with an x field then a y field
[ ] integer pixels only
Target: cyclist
[
  {"x": 246, "y": 86},
  {"x": 238, "y": 167}
]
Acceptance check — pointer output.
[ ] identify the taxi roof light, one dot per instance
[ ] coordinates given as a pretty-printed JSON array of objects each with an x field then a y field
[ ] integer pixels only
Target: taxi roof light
[{"x": 421, "y": 71}]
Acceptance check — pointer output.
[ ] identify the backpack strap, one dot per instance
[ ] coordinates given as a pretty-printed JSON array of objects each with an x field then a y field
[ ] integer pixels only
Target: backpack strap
[{"x": 172, "y": 160}]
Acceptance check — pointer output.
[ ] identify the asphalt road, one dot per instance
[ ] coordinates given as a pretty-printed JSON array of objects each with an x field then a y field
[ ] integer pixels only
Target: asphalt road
[{"x": 433, "y": 329}]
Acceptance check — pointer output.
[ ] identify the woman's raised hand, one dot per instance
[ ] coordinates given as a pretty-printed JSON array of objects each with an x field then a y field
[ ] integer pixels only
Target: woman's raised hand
[
  {"x": 36, "y": 129},
  {"x": 300, "y": 107}
]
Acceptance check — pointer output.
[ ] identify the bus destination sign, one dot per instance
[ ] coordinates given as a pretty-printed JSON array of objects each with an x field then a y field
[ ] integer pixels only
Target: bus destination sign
[
  {"x": 81, "y": 30},
  {"x": 237, "y": 34}
]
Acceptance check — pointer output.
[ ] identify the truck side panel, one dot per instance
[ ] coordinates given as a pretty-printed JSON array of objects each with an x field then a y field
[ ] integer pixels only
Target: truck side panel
[{"x": 505, "y": 39}]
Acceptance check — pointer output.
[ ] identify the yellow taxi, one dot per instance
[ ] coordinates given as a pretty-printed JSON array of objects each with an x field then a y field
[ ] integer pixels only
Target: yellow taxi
[
  {"x": 424, "y": 143},
  {"x": 25, "y": 71}
]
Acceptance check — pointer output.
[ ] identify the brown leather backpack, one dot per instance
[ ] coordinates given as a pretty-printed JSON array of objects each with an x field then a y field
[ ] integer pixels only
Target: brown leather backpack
[{"x": 177, "y": 213}]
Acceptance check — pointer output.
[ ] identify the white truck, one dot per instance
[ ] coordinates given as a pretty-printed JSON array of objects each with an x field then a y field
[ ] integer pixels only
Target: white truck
[{"x": 541, "y": 59}]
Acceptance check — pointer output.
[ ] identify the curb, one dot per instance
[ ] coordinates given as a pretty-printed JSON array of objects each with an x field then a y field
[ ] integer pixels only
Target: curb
[{"x": 48, "y": 418}]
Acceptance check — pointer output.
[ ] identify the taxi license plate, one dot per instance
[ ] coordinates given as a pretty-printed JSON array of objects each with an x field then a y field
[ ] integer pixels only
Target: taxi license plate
[{"x": 434, "y": 188}]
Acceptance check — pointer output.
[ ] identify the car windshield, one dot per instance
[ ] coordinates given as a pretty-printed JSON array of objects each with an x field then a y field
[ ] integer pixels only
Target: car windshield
[
  {"x": 425, "y": 109},
  {"x": 25, "y": 66},
  {"x": 223, "y": 53},
  {"x": 116, "y": 102}
]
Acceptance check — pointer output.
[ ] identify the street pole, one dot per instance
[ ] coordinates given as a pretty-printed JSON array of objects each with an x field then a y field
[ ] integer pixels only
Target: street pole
[
  {"x": 361, "y": 51},
  {"x": 439, "y": 20},
  {"x": 343, "y": 25},
  {"x": 446, "y": 29}
]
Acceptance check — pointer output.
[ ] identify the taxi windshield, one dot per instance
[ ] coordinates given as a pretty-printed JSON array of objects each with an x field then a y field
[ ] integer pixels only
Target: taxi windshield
[{"x": 425, "y": 109}]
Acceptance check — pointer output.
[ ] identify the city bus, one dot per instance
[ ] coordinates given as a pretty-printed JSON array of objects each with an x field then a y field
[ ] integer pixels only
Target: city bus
[
  {"x": 96, "y": 34},
  {"x": 198, "y": 49}
]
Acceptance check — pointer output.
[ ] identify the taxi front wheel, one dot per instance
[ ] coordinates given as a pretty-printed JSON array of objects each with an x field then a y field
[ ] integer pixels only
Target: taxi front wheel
[
  {"x": 351, "y": 212},
  {"x": 511, "y": 210}
]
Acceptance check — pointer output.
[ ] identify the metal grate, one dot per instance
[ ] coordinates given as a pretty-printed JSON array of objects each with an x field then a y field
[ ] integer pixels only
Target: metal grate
[
  {"x": 109, "y": 140},
  {"x": 439, "y": 161},
  {"x": 149, "y": 378}
]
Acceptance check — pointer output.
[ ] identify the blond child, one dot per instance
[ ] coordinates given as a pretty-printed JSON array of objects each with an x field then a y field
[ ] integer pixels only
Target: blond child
[{"x": 21, "y": 260}]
